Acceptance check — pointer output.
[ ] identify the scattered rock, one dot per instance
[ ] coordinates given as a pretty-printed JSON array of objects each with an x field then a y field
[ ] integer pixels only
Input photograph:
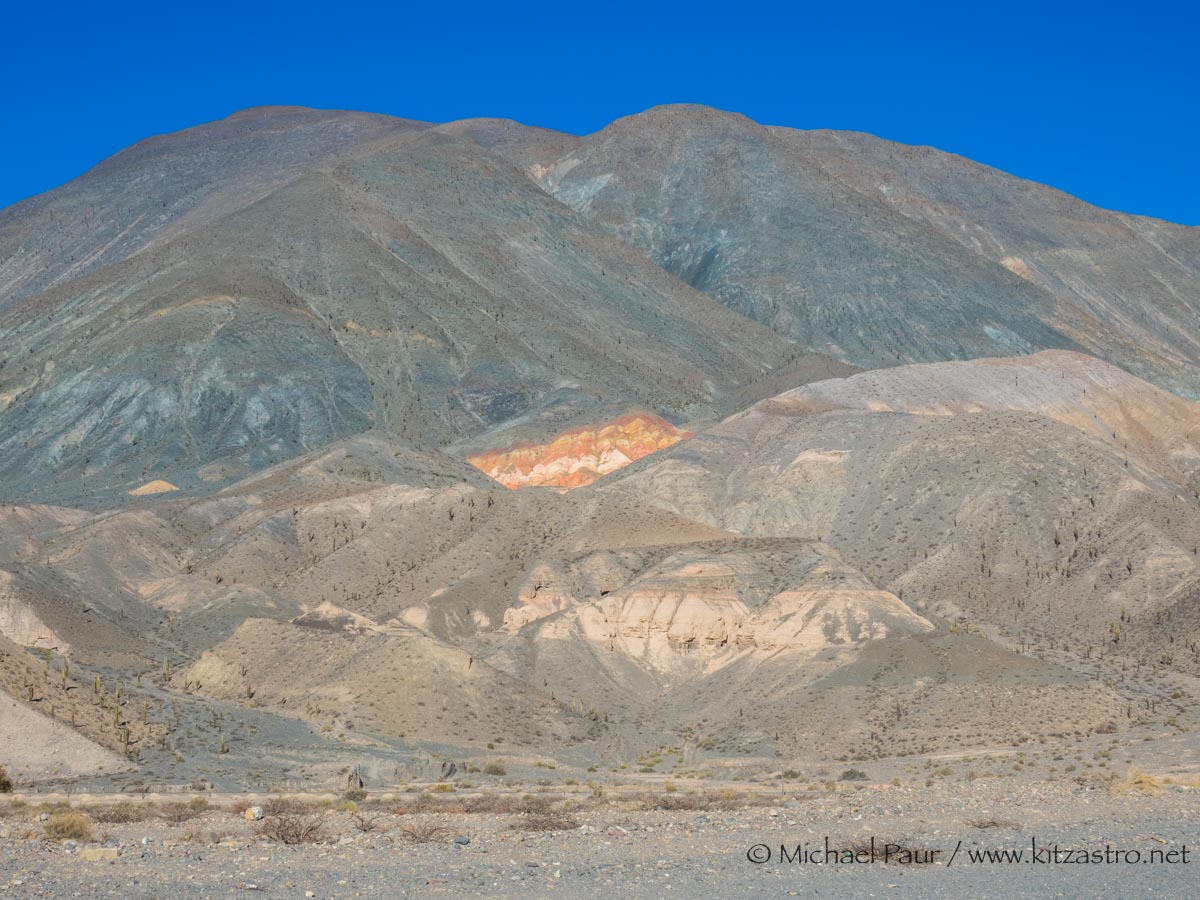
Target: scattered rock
[{"x": 254, "y": 813}]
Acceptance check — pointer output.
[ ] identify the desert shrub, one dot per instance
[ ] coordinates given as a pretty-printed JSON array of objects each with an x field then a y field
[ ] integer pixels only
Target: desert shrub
[
  {"x": 533, "y": 804},
  {"x": 69, "y": 826},
  {"x": 495, "y": 768},
  {"x": 491, "y": 803},
  {"x": 291, "y": 829},
  {"x": 6, "y": 784},
  {"x": 180, "y": 811},
  {"x": 546, "y": 822},
  {"x": 1138, "y": 782},
  {"x": 290, "y": 806},
  {"x": 13, "y": 808},
  {"x": 364, "y": 822},
  {"x": 425, "y": 832},
  {"x": 121, "y": 813},
  {"x": 853, "y": 775},
  {"x": 680, "y": 802},
  {"x": 355, "y": 795},
  {"x": 423, "y": 802},
  {"x": 724, "y": 799}
]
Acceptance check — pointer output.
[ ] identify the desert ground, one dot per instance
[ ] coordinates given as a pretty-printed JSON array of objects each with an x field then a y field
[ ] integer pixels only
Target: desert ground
[{"x": 679, "y": 838}]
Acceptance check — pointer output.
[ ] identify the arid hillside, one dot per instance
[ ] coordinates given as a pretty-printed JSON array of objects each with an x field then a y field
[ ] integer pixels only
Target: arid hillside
[
  {"x": 334, "y": 445},
  {"x": 876, "y": 253}
]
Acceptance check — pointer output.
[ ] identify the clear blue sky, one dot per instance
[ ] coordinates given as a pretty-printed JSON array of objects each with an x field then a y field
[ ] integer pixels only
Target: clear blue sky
[{"x": 1102, "y": 101}]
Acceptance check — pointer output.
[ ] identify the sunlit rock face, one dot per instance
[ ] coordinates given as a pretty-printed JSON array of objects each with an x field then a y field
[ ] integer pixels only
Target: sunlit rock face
[{"x": 581, "y": 455}]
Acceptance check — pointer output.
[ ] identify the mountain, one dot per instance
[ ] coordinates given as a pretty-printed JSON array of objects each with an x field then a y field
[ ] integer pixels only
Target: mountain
[
  {"x": 878, "y": 253},
  {"x": 423, "y": 286},
  {"x": 332, "y": 440},
  {"x": 168, "y": 185}
]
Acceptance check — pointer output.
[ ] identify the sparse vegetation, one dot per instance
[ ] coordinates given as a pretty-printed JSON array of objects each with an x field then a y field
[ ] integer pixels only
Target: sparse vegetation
[
  {"x": 546, "y": 822},
  {"x": 121, "y": 813},
  {"x": 425, "y": 832},
  {"x": 291, "y": 829},
  {"x": 68, "y": 826}
]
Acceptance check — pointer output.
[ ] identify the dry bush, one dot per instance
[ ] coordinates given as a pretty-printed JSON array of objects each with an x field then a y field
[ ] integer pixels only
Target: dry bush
[
  {"x": 681, "y": 802},
  {"x": 6, "y": 784},
  {"x": 425, "y": 832},
  {"x": 180, "y": 811},
  {"x": 291, "y": 829},
  {"x": 291, "y": 806},
  {"x": 725, "y": 799},
  {"x": 423, "y": 802},
  {"x": 490, "y": 803},
  {"x": 1138, "y": 782},
  {"x": 69, "y": 826},
  {"x": 365, "y": 823},
  {"x": 121, "y": 813},
  {"x": 546, "y": 822},
  {"x": 534, "y": 804}
]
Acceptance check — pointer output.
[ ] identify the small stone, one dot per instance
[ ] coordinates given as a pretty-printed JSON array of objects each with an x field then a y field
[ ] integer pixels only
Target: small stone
[
  {"x": 462, "y": 841},
  {"x": 310, "y": 893},
  {"x": 616, "y": 832},
  {"x": 100, "y": 854},
  {"x": 69, "y": 846},
  {"x": 254, "y": 813}
]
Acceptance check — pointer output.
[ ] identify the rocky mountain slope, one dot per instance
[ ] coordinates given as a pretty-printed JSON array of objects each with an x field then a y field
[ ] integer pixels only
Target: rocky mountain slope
[
  {"x": 810, "y": 549},
  {"x": 970, "y": 489},
  {"x": 267, "y": 387},
  {"x": 878, "y": 253},
  {"x": 424, "y": 287}
]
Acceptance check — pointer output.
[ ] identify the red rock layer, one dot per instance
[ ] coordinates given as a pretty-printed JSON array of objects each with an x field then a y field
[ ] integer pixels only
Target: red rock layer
[{"x": 581, "y": 455}]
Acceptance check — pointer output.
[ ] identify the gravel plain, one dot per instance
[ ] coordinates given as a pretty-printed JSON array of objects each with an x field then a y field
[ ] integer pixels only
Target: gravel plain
[{"x": 620, "y": 845}]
